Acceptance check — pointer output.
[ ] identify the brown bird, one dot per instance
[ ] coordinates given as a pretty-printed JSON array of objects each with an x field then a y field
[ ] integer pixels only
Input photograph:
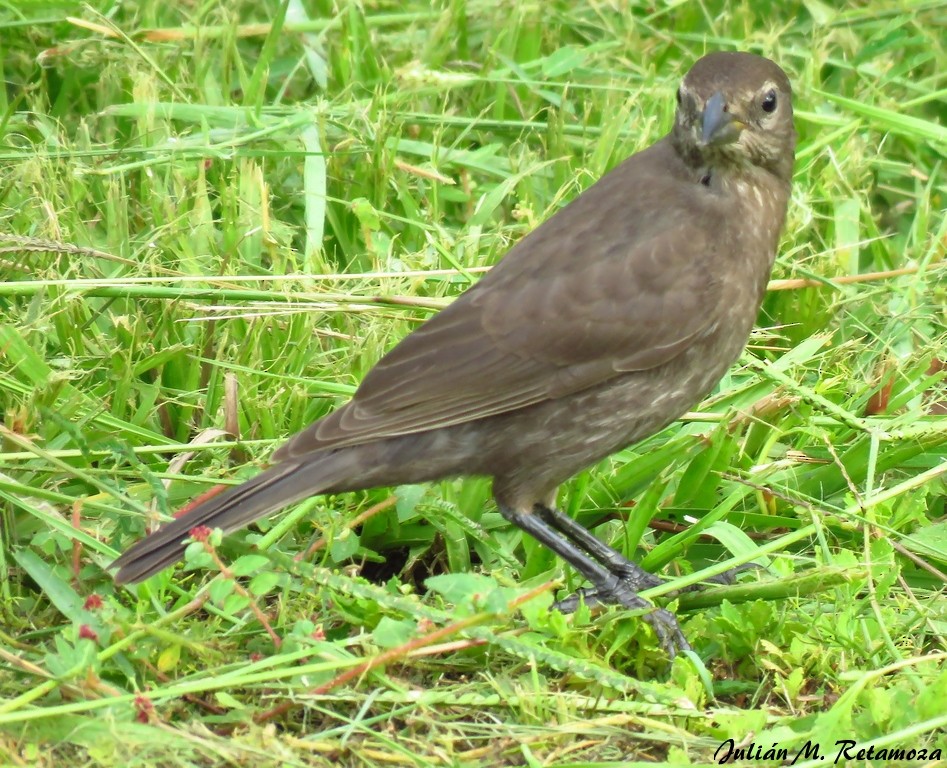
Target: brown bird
[{"x": 598, "y": 329}]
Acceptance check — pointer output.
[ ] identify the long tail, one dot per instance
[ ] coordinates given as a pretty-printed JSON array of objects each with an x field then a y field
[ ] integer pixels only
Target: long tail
[{"x": 235, "y": 508}]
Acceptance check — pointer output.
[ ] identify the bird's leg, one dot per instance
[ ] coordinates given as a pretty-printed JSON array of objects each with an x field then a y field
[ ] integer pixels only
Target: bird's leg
[
  {"x": 609, "y": 586},
  {"x": 631, "y": 573}
]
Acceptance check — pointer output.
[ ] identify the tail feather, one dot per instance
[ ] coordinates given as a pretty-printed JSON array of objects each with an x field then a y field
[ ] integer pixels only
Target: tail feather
[{"x": 234, "y": 508}]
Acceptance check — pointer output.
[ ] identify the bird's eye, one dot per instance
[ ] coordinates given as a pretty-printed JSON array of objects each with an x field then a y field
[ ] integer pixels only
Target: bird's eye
[{"x": 769, "y": 100}]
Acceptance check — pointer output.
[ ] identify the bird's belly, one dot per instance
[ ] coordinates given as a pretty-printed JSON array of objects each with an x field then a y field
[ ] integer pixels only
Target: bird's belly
[{"x": 534, "y": 450}]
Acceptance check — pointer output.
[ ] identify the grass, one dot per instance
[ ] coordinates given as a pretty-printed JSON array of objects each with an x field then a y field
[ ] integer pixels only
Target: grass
[{"x": 214, "y": 218}]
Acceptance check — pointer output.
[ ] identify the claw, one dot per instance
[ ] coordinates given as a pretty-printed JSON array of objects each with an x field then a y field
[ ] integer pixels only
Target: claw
[{"x": 623, "y": 592}]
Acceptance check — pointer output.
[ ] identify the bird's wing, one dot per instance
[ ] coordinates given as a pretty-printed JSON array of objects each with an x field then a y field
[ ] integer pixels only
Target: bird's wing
[{"x": 568, "y": 308}]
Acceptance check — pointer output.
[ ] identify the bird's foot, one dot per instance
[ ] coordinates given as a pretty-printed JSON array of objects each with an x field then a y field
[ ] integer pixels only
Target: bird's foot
[
  {"x": 587, "y": 595},
  {"x": 623, "y": 590},
  {"x": 637, "y": 579},
  {"x": 631, "y": 577},
  {"x": 668, "y": 631},
  {"x": 724, "y": 579}
]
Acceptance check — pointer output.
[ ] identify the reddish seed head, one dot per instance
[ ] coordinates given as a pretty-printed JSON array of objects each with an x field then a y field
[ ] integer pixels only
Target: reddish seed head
[
  {"x": 144, "y": 708},
  {"x": 200, "y": 533},
  {"x": 92, "y": 602}
]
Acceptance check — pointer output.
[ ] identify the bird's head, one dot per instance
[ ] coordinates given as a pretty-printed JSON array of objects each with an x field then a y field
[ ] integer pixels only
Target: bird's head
[{"x": 735, "y": 110}]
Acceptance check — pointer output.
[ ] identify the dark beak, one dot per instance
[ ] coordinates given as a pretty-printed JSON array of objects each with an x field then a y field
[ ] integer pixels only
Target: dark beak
[{"x": 718, "y": 126}]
